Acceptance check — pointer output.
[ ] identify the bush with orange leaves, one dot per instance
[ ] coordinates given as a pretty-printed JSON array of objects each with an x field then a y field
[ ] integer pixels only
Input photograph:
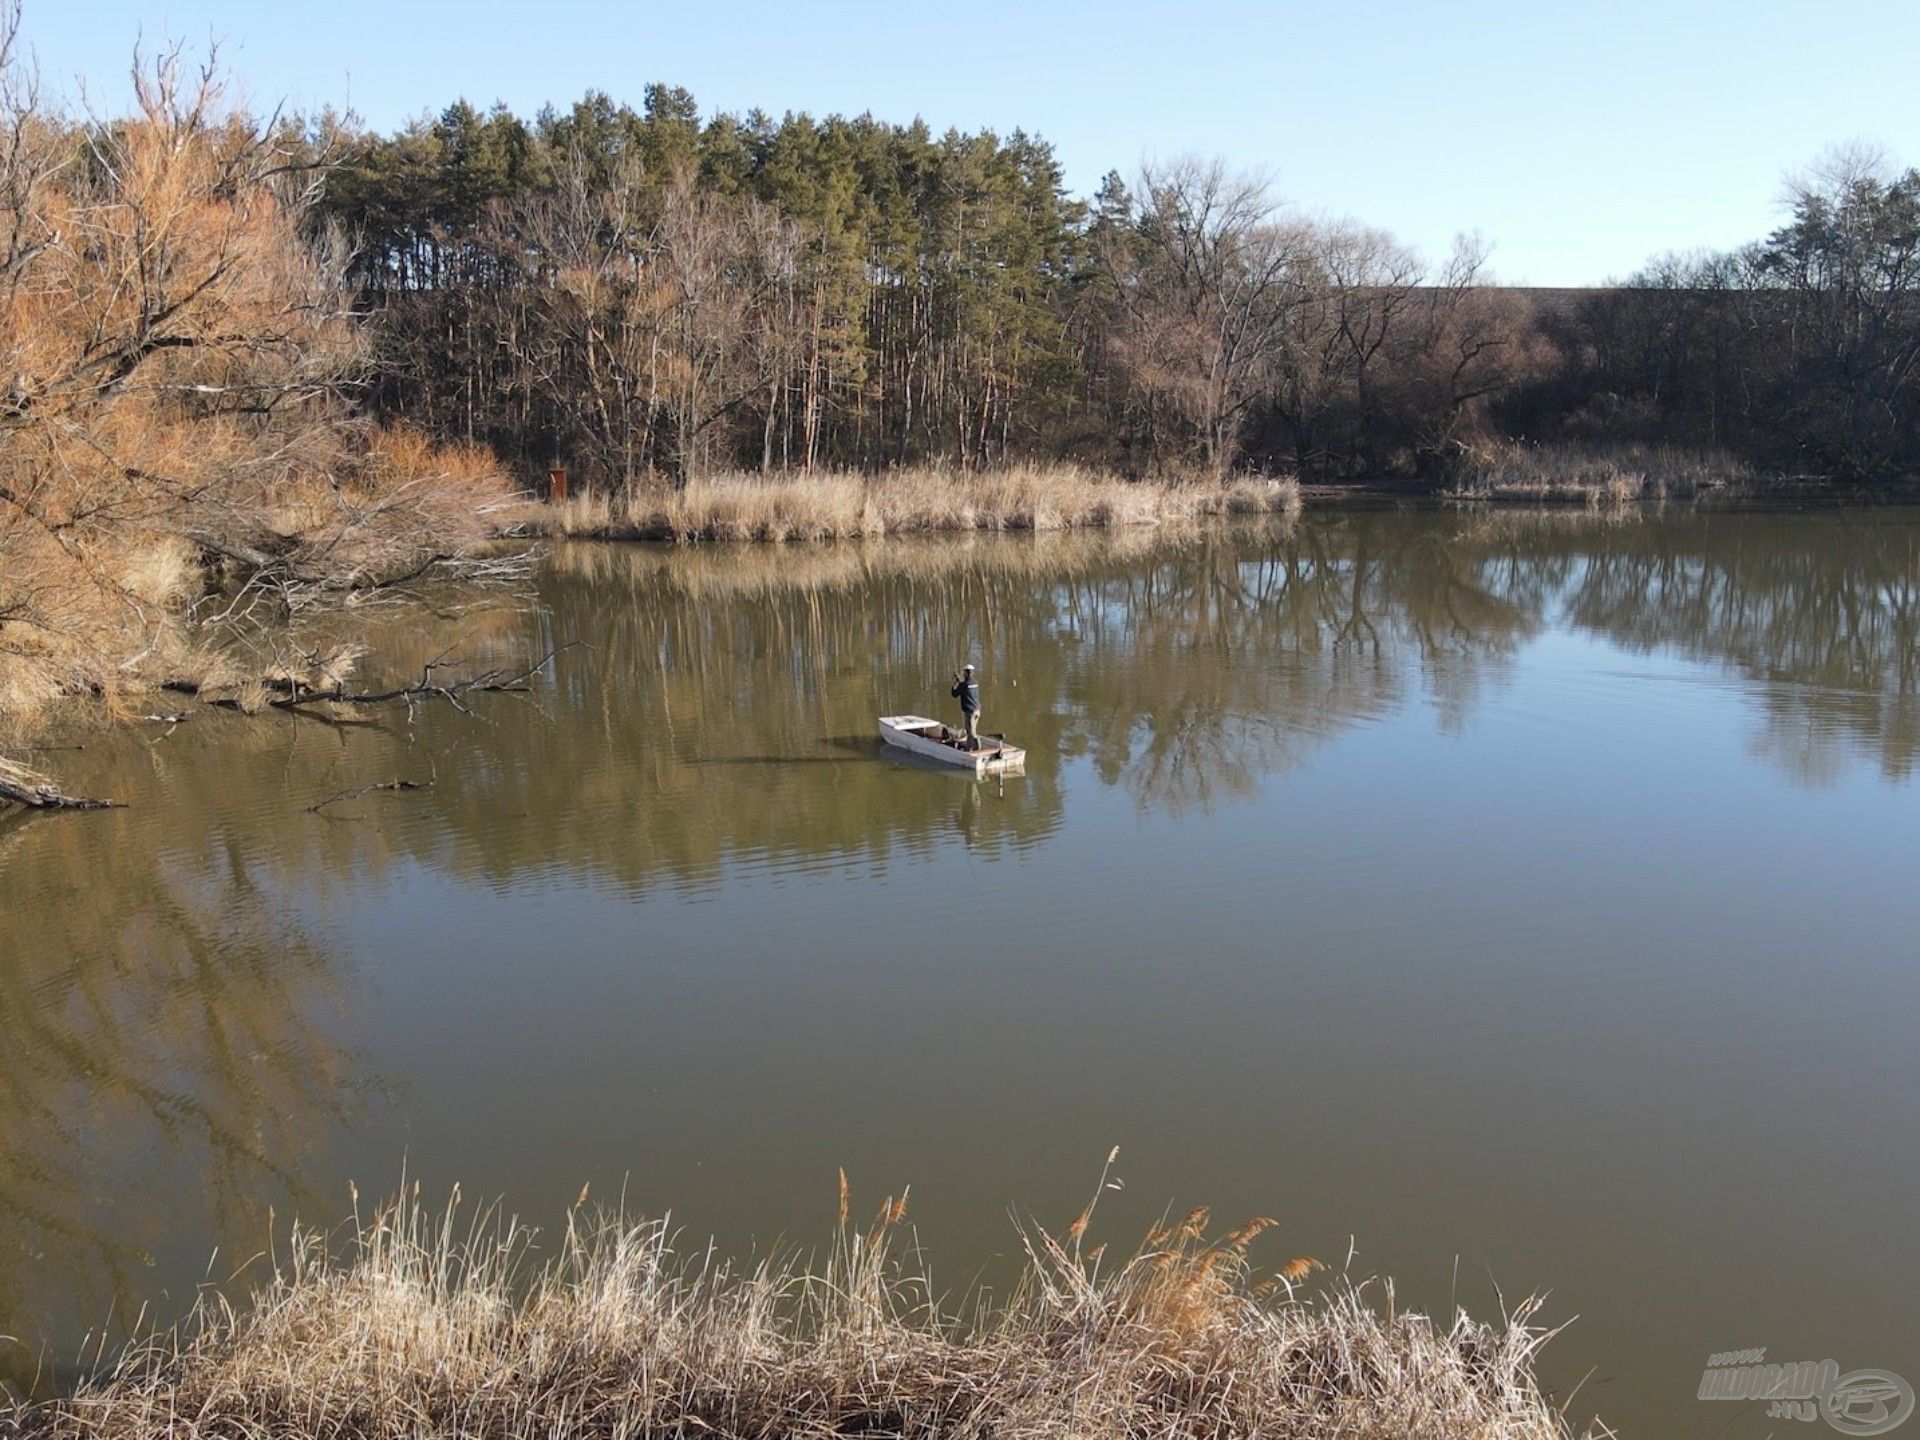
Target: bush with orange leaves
[{"x": 175, "y": 362}]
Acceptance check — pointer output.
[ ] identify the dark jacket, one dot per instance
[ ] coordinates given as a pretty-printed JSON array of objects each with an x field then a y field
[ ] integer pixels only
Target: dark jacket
[{"x": 967, "y": 692}]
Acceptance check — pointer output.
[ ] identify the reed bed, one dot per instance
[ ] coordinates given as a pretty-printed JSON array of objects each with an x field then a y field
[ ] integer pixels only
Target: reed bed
[
  {"x": 841, "y": 505},
  {"x": 713, "y": 572},
  {"x": 1597, "y": 476},
  {"x": 426, "y": 1324}
]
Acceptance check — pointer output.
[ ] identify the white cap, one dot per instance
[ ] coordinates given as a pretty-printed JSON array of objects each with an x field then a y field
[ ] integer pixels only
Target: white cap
[{"x": 967, "y": 666}]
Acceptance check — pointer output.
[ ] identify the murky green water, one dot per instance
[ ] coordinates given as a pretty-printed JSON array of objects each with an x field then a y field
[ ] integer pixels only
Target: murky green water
[{"x": 1529, "y": 898}]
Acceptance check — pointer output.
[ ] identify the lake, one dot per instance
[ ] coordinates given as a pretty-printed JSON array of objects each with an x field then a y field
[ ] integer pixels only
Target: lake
[{"x": 1509, "y": 902}]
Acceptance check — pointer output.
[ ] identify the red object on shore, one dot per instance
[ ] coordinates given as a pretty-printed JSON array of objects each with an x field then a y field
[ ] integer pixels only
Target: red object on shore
[{"x": 556, "y": 486}]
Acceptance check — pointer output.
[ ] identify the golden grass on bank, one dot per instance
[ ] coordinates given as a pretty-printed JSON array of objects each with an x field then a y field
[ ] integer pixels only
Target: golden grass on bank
[
  {"x": 713, "y": 572},
  {"x": 431, "y": 1325},
  {"x": 842, "y": 505},
  {"x": 1596, "y": 475}
]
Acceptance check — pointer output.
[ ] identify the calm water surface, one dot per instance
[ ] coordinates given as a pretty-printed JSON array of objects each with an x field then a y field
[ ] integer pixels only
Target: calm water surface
[{"x": 1529, "y": 898}]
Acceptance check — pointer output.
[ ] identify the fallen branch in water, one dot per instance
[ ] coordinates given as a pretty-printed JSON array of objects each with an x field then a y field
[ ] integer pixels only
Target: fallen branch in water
[
  {"x": 354, "y": 794},
  {"x": 21, "y": 786},
  {"x": 495, "y": 681}
]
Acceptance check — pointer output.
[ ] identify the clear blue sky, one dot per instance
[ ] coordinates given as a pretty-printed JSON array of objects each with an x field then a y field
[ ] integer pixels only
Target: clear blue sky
[{"x": 1579, "y": 136}]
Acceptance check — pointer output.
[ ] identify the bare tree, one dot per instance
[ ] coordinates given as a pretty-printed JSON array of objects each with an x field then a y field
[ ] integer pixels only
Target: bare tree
[
  {"x": 1335, "y": 377},
  {"x": 1471, "y": 342},
  {"x": 649, "y": 320},
  {"x": 729, "y": 265},
  {"x": 1204, "y": 281}
]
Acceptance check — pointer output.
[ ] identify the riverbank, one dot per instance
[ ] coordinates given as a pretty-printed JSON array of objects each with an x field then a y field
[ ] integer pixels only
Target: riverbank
[
  {"x": 839, "y": 505},
  {"x": 1619, "y": 477},
  {"x": 436, "y": 1324}
]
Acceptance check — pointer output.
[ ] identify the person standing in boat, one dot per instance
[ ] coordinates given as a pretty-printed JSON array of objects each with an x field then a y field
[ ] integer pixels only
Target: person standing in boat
[{"x": 967, "y": 691}]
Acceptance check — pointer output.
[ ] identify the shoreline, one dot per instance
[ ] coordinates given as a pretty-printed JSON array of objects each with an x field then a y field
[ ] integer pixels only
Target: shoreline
[
  {"x": 1786, "y": 492},
  {"x": 789, "y": 507}
]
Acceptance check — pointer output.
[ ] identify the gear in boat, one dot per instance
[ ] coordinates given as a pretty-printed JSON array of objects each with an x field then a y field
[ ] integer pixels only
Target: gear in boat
[{"x": 921, "y": 736}]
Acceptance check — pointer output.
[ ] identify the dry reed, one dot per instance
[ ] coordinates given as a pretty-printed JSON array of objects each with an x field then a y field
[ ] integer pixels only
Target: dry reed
[
  {"x": 1596, "y": 475},
  {"x": 429, "y": 1324},
  {"x": 843, "y": 505}
]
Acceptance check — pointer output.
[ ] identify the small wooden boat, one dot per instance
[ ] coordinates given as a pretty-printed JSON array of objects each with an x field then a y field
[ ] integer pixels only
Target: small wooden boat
[{"x": 929, "y": 738}]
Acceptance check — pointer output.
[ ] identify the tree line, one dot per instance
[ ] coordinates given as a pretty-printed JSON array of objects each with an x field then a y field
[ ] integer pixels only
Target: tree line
[
  {"x": 644, "y": 295},
  {"x": 1797, "y": 352}
]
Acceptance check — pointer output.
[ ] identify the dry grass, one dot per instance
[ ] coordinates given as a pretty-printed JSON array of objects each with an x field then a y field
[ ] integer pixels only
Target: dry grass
[
  {"x": 1596, "y": 475},
  {"x": 429, "y": 1325},
  {"x": 716, "y": 572},
  {"x": 840, "y": 505}
]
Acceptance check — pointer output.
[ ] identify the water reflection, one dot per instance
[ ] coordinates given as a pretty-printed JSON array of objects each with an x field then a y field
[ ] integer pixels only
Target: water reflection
[
  {"x": 191, "y": 993},
  {"x": 1185, "y": 667},
  {"x": 1824, "y": 611},
  {"x": 167, "y": 1066}
]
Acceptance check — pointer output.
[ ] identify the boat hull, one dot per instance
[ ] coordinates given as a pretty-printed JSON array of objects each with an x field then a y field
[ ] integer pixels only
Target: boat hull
[{"x": 917, "y": 735}]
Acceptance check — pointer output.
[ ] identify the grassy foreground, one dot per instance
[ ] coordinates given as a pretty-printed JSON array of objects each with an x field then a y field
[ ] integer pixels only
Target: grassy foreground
[
  {"x": 840, "y": 505},
  {"x": 433, "y": 1326}
]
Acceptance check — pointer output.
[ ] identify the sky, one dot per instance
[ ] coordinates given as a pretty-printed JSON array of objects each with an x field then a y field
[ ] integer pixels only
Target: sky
[{"x": 1578, "y": 137}]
